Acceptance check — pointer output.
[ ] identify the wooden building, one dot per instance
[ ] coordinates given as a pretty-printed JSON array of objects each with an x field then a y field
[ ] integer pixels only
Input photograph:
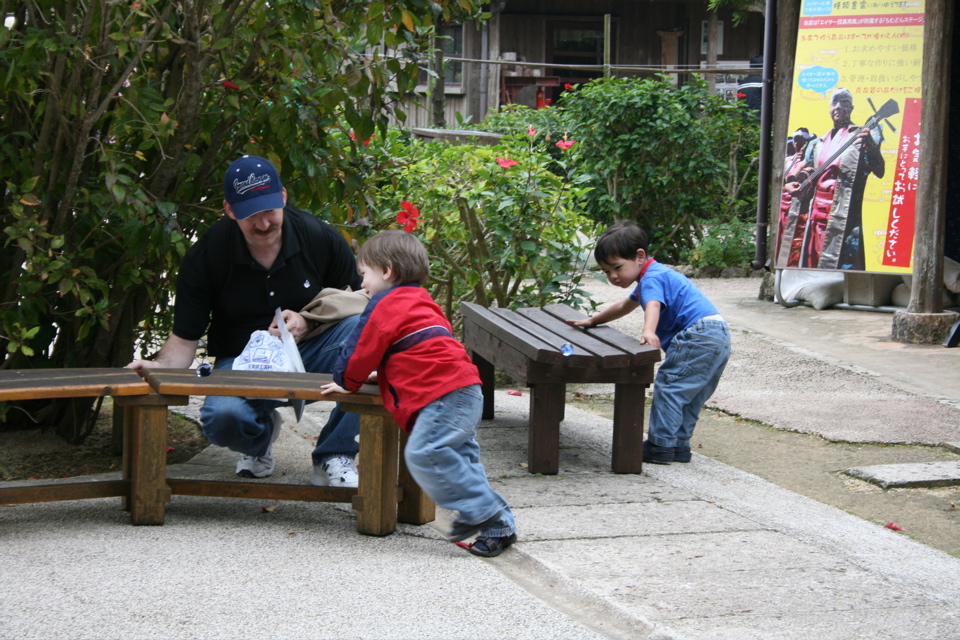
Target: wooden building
[{"x": 531, "y": 46}]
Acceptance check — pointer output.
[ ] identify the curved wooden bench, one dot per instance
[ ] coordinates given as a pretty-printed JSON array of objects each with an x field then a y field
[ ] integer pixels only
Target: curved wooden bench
[{"x": 385, "y": 495}]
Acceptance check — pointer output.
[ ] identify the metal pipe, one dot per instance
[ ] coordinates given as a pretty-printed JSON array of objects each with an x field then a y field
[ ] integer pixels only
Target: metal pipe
[{"x": 766, "y": 119}]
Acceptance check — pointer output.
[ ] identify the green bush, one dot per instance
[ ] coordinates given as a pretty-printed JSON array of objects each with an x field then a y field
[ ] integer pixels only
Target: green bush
[
  {"x": 500, "y": 227},
  {"x": 668, "y": 158},
  {"x": 119, "y": 121}
]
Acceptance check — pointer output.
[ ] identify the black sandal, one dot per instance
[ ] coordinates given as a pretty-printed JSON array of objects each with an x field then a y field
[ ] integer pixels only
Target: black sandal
[{"x": 488, "y": 546}]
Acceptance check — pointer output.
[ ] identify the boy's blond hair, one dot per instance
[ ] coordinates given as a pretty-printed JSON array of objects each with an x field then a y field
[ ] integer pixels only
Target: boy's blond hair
[{"x": 397, "y": 250}]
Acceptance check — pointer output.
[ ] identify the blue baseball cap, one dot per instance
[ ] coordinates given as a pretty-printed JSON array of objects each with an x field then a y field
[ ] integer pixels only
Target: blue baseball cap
[{"x": 252, "y": 185}]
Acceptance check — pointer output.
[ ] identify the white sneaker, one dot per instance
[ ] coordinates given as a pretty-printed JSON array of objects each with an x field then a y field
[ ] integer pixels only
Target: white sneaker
[
  {"x": 256, "y": 466},
  {"x": 261, "y": 466},
  {"x": 339, "y": 471}
]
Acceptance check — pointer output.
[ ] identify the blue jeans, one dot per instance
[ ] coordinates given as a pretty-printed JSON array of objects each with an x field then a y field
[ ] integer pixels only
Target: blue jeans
[
  {"x": 245, "y": 424},
  {"x": 443, "y": 457},
  {"x": 686, "y": 379}
]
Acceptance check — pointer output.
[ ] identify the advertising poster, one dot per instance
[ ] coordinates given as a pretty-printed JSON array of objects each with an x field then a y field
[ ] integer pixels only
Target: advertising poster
[{"x": 850, "y": 175}]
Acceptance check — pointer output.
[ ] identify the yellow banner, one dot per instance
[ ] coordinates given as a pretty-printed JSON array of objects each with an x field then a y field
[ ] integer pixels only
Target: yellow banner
[{"x": 850, "y": 172}]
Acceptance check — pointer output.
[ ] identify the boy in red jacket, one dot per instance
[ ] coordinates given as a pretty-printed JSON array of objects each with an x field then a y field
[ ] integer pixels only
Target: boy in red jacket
[{"x": 429, "y": 386}]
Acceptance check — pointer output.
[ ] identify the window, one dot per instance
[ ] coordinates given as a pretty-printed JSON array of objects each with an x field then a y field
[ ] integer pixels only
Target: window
[
  {"x": 575, "y": 43},
  {"x": 451, "y": 41}
]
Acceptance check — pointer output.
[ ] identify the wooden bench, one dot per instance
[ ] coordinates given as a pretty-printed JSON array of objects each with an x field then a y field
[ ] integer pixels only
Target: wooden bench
[
  {"x": 385, "y": 494},
  {"x": 525, "y": 344}
]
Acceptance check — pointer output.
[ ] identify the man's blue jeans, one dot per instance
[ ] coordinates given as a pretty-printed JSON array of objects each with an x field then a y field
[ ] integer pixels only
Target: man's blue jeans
[
  {"x": 246, "y": 424},
  {"x": 443, "y": 457},
  {"x": 686, "y": 379}
]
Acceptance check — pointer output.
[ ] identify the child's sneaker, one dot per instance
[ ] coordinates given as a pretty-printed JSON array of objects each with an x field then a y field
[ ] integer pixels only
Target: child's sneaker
[
  {"x": 488, "y": 546},
  {"x": 461, "y": 530},
  {"x": 658, "y": 455}
]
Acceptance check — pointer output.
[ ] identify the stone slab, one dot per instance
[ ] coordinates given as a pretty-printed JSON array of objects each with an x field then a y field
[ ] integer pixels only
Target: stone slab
[
  {"x": 916, "y": 474},
  {"x": 585, "y": 489},
  {"x": 636, "y": 519},
  {"x": 710, "y": 579}
]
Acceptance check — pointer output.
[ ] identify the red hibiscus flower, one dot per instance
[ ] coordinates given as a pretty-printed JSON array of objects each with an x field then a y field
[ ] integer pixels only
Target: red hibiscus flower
[
  {"x": 408, "y": 217},
  {"x": 566, "y": 144},
  {"x": 568, "y": 87},
  {"x": 226, "y": 84},
  {"x": 353, "y": 136},
  {"x": 506, "y": 163},
  {"x": 531, "y": 131}
]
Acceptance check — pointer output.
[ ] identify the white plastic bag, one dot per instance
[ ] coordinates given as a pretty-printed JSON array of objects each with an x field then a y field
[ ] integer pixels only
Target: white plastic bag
[{"x": 267, "y": 352}]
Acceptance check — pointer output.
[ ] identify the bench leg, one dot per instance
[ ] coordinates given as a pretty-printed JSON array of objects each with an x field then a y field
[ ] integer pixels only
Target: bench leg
[
  {"x": 415, "y": 506},
  {"x": 546, "y": 412},
  {"x": 376, "y": 499},
  {"x": 628, "y": 407},
  {"x": 145, "y": 463},
  {"x": 487, "y": 382}
]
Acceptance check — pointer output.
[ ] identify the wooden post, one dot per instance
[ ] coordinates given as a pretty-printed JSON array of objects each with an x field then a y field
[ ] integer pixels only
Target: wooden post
[
  {"x": 376, "y": 504},
  {"x": 606, "y": 45},
  {"x": 788, "y": 24},
  {"x": 493, "y": 78},
  {"x": 488, "y": 383},
  {"x": 628, "y": 407},
  {"x": 415, "y": 506},
  {"x": 670, "y": 52},
  {"x": 924, "y": 321},
  {"x": 712, "y": 31},
  {"x": 146, "y": 444},
  {"x": 543, "y": 442},
  {"x": 926, "y": 295}
]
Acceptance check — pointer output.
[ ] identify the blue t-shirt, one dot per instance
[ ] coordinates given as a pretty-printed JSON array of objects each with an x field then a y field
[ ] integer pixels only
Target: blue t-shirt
[{"x": 682, "y": 303}]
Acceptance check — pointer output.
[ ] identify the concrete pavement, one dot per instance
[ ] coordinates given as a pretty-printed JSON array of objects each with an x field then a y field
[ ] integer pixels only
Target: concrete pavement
[{"x": 692, "y": 551}]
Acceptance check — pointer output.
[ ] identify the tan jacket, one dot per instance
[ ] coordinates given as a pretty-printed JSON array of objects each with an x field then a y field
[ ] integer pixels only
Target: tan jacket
[{"x": 330, "y": 306}]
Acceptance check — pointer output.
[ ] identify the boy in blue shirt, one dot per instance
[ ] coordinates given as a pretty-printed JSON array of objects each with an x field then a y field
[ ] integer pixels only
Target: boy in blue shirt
[{"x": 677, "y": 318}]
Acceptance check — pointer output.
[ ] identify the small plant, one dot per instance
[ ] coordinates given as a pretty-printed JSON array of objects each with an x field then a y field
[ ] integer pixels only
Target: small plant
[{"x": 722, "y": 243}]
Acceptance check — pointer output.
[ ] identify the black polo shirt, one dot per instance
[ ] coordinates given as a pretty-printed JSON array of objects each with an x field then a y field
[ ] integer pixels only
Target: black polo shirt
[{"x": 220, "y": 285}]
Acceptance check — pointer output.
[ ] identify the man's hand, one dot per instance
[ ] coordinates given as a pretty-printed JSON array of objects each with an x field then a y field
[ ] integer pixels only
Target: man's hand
[
  {"x": 176, "y": 353},
  {"x": 140, "y": 365},
  {"x": 296, "y": 324},
  {"x": 332, "y": 387}
]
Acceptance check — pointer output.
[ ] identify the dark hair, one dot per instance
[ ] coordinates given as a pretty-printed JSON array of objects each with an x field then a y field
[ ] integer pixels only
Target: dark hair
[
  {"x": 622, "y": 240},
  {"x": 397, "y": 250}
]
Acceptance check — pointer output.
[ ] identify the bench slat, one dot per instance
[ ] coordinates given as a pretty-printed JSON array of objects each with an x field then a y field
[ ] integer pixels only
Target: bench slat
[
  {"x": 259, "y": 490},
  {"x": 62, "y": 489},
  {"x": 524, "y": 342},
  {"x": 610, "y": 357},
  {"x": 495, "y": 351},
  {"x": 581, "y": 357},
  {"x": 255, "y": 384},
  {"x": 641, "y": 353},
  {"x": 37, "y": 384}
]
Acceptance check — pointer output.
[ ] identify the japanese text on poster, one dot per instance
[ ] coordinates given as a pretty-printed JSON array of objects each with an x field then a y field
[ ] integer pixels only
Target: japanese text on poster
[{"x": 850, "y": 171}]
